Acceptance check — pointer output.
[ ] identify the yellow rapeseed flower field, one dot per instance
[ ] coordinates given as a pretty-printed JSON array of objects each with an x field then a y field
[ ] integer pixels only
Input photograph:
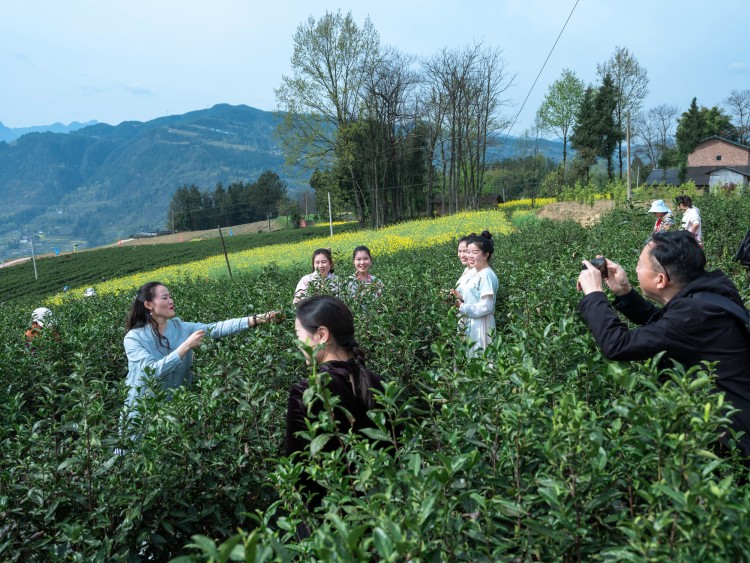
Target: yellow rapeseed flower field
[
  {"x": 421, "y": 233},
  {"x": 538, "y": 202}
]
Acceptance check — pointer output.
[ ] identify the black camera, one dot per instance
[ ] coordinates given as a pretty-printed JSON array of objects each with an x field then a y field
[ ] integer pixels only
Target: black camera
[{"x": 600, "y": 264}]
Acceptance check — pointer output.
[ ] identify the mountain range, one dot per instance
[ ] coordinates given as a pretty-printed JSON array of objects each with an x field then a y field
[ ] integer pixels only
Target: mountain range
[
  {"x": 8, "y": 134},
  {"x": 99, "y": 183}
]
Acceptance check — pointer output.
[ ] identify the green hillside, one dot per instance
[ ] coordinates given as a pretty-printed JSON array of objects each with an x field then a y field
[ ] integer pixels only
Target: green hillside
[{"x": 102, "y": 183}]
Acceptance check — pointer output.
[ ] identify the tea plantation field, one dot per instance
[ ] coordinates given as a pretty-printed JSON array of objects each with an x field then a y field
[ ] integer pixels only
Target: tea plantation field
[
  {"x": 93, "y": 267},
  {"x": 540, "y": 451}
]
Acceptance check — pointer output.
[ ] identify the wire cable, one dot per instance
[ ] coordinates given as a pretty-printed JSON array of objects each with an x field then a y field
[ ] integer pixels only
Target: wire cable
[{"x": 542, "y": 69}]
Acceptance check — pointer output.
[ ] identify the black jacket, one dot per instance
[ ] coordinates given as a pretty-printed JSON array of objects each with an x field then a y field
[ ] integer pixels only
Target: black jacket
[
  {"x": 339, "y": 385},
  {"x": 689, "y": 329}
]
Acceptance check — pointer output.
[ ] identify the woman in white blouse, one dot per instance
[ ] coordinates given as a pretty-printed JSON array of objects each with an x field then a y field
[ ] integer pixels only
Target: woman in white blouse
[{"x": 476, "y": 303}]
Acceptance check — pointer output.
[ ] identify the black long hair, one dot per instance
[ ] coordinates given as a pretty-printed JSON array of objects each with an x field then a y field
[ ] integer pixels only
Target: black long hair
[
  {"x": 484, "y": 242},
  {"x": 139, "y": 316},
  {"x": 330, "y": 312},
  {"x": 325, "y": 252}
]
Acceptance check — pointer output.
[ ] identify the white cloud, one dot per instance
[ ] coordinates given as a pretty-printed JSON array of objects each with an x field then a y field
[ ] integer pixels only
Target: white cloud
[{"x": 739, "y": 67}]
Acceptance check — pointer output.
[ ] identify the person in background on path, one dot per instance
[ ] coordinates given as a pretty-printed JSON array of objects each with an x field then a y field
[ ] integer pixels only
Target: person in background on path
[
  {"x": 664, "y": 220},
  {"x": 691, "y": 218},
  {"x": 689, "y": 327},
  {"x": 162, "y": 344},
  {"x": 321, "y": 276},
  {"x": 477, "y": 301},
  {"x": 40, "y": 318},
  {"x": 362, "y": 282},
  {"x": 325, "y": 325}
]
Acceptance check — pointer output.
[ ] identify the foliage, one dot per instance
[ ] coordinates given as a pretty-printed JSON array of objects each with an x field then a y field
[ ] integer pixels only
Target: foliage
[
  {"x": 193, "y": 210},
  {"x": 630, "y": 84},
  {"x": 540, "y": 450},
  {"x": 520, "y": 177},
  {"x": 390, "y": 137}
]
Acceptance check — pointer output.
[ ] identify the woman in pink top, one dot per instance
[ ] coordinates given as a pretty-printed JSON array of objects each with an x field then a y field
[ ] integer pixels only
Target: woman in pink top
[{"x": 322, "y": 275}]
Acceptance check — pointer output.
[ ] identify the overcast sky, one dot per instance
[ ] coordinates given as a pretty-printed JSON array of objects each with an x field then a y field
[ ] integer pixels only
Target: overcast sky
[{"x": 114, "y": 61}]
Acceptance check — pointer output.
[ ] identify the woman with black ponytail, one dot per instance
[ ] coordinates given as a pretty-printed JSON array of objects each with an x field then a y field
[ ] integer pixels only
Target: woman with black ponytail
[
  {"x": 325, "y": 324},
  {"x": 160, "y": 344},
  {"x": 476, "y": 301}
]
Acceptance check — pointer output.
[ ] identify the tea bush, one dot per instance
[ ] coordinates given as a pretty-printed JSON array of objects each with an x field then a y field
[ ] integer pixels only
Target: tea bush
[{"x": 540, "y": 450}]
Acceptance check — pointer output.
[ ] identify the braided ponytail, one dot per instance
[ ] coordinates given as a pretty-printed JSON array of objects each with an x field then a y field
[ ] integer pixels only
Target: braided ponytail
[{"x": 328, "y": 311}]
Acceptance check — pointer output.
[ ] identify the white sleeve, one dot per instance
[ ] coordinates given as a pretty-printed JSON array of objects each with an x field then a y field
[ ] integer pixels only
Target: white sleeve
[{"x": 475, "y": 310}]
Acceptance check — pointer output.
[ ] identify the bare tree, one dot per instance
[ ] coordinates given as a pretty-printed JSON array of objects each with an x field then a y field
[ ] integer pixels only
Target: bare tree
[
  {"x": 631, "y": 88},
  {"x": 738, "y": 106},
  {"x": 388, "y": 113},
  {"x": 467, "y": 90},
  {"x": 656, "y": 131}
]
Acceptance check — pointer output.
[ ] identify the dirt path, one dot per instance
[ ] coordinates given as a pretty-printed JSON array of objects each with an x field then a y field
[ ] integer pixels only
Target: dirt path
[
  {"x": 258, "y": 227},
  {"x": 581, "y": 212}
]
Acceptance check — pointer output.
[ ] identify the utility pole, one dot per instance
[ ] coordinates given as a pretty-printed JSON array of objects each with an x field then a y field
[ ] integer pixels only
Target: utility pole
[
  {"x": 33, "y": 257},
  {"x": 330, "y": 216},
  {"x": 630, "y": 190}
]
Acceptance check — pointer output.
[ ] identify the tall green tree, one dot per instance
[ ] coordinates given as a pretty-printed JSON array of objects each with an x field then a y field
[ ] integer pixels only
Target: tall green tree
[
  {"x": 585, "y": 137},
  {"x": 630, "y": 82},
  {"x": 332, "y": 59},
  {"x": 717, "y": 122},
  {"x": 560, "y": 106},
  {"x": 691, "y": 129},
  {"x": 609, "y": 133},
  {"x": 266, "y": 193}
]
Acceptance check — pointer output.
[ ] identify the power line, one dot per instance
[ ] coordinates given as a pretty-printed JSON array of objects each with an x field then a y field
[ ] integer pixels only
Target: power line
[{"x": 542, "y": 69}]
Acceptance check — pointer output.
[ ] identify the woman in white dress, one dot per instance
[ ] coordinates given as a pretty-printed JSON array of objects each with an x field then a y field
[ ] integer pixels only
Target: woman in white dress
[{"x": 476, "y": 303}]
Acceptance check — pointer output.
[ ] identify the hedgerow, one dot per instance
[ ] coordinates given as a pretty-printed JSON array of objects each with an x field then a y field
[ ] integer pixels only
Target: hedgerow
[{"x": 541, "y": 450}]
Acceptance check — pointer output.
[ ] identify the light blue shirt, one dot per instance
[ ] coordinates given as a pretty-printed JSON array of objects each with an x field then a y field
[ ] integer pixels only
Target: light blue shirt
[{"x": 144, "y": 351}]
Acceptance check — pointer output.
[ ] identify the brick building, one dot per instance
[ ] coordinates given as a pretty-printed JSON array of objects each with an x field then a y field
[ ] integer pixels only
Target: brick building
[{"x": 714, "y": 162}]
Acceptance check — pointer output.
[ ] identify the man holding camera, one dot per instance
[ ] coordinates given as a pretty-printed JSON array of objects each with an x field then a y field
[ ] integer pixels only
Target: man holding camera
[{"x": 699, "y": 319}]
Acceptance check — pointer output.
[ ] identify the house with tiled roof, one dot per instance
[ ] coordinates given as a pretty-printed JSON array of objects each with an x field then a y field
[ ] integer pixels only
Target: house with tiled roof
[{"x": 715, "y": 162}]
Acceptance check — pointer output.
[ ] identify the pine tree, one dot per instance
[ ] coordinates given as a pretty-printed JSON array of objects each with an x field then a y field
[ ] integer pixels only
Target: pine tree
[
  {"x": 608, "y": 131},
  {"x": 585, "y": 137},
  {"x": 691, "y": 130}
]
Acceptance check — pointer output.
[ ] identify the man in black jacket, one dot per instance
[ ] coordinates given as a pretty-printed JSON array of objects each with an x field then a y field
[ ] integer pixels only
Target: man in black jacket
[{"x": 688, "y": 327}]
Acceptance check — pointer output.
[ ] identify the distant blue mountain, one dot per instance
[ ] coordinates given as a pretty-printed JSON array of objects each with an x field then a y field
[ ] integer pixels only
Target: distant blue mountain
[
  {"x": 9, "y": 134},
  {"x": 515, "y": 147}
]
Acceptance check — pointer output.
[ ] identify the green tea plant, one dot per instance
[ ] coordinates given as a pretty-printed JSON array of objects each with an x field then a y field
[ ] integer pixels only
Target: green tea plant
[{"x": 540, "y": 449}]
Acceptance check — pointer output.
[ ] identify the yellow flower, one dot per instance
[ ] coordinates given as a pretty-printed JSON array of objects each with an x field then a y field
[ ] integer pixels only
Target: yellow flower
[{"x": 409, "y": 235}]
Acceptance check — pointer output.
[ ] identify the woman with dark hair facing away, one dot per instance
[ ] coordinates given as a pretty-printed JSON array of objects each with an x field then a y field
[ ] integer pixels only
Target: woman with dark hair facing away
[
  {"x": 325, "y": 324},
  {"x": 158, "y": 341},
  {"x": 362, "y": 281},
  {"x": 321, "y": 275},
  {"x": 477, "y": 300}
]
